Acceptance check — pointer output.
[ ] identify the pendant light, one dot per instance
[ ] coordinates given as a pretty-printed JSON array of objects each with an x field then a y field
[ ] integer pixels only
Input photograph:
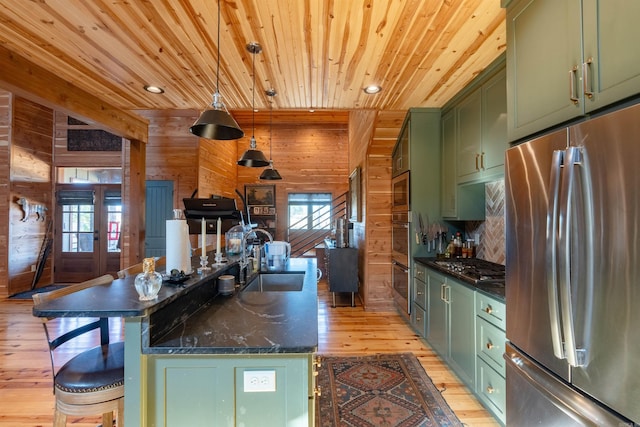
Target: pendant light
[
  {"x": 253, "y": 158},
  {"x": 215, "y": 122},
  {"x": 270, "y": 173}
]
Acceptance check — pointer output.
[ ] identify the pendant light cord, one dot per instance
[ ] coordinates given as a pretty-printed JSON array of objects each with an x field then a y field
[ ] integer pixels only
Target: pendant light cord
[
  {"x": 270, "y": 128},
  {"x": 218, "y": 47},
  {"x": 253, "y": 97}
]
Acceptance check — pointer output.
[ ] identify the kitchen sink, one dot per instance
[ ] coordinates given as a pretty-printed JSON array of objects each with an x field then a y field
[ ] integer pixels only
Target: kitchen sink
[{"x": 276, "y": 282}]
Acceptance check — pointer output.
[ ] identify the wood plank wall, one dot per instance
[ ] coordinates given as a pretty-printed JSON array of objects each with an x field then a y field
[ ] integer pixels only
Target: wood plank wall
[
  {"x": 31, "y": 177},
  {"x": 5, "y": 137},
  {"x": 310, "y": 151}
]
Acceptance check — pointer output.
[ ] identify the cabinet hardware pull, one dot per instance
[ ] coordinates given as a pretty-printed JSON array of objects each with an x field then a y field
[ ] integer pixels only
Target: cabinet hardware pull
[
  {"x": 482, "y": 161},
  {"x": 490, "y": 389},
  {"x": 586, "y": 80},
  {"x": 442, "y": 297},
  {"x": 477, "y": 155},
  {"x": 488, "y": 309},
  {"x": 489, "y": 345},
  {"x": 572, "y": 85}
]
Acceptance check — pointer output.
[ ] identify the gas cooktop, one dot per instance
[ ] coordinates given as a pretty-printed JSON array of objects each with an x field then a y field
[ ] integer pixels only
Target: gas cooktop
[{"x": 474, "y": 270}]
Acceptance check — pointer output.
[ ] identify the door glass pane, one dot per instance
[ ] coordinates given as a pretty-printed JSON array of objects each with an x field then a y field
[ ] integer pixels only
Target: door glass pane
[
  {"x": 114, "y": 227},
  {"x": 77, "y": 228}
]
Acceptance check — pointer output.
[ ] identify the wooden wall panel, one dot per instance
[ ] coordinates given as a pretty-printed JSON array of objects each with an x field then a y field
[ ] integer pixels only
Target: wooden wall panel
[
  {"x": 310, "y": 156},
  {"x": 5, "y": 137},
  {"x": 66, "y": 158},
  {"x": 31, "y": 177},
  {"x": 218, "y": 170},
  {"x": 372, "y": 137},
  {"x": 172, "y": 152}
]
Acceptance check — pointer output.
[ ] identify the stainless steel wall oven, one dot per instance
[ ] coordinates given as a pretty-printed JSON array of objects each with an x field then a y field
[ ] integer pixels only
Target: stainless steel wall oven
[{"x": 400, "y": 248}]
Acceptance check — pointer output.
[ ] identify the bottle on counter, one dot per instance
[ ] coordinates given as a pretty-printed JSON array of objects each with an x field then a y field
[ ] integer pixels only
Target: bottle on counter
[
  {"x": 451, "y": 249},
  {"x": 457, "y": 242},
  {"x": 149, "y": 282}
]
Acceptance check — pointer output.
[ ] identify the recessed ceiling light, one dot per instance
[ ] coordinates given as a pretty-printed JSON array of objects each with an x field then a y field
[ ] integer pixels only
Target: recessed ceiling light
[
  {"x": 153, "y": 89},
  {"x": 372, "y": 89}
]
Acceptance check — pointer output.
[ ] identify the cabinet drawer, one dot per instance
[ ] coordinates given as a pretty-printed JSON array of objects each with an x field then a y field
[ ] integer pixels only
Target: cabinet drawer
[
  {"x": 491, "y": 310},
  {"x": 419, "y": 319},
  {"x": 490, "y": 344},
  {"x": 491, "y": 388},
  {"x": 420, "y": 272},
  {"x": 420, "y": 293}
]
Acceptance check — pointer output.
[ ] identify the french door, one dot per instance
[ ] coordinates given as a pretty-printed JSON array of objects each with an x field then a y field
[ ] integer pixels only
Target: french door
[{"x": 88, "y": 231}]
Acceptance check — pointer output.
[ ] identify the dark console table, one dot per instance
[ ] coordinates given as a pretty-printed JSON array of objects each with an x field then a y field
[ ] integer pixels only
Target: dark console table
[{"x": 341, "y": 265}]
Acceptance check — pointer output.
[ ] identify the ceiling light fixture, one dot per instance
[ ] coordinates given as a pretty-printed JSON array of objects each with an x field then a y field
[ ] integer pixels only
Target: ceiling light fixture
[
  {"x": 253, "y": 158},
  {"x": 270, "y": 173},
  {"x": 372, "y": 89},
  {"x": 215, "y": 122},
  {"x": 153, "y": 89}
]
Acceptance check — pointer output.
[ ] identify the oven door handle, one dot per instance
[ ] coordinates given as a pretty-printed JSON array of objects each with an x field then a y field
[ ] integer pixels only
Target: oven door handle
[{"x": 402, "y": 267}]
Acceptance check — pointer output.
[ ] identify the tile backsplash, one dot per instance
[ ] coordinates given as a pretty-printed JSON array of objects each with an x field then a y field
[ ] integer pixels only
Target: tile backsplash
[{"x": 492, "y": 245}]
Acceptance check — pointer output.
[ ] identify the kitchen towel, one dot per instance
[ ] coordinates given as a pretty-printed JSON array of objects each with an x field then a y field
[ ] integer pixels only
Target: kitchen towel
[{"x": 178, "y": 246}]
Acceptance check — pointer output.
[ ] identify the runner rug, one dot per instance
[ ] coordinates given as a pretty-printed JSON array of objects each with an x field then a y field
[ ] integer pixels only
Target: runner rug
[{"x": 390, "y": 390}]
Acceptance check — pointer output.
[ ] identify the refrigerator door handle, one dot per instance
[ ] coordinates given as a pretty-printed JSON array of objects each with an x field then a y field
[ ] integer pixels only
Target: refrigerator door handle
[
  {"x": 576, "y": 160},
  {"x": 552, "y": 249}
]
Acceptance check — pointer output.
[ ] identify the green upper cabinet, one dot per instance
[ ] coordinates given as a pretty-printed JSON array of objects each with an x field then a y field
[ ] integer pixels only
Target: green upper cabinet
[
  {"x": 568, "y": 58},
  {"x": 469, "y": 112},
  {"x": 482, "y": 131},
  {"x": 449, "y": 172}
]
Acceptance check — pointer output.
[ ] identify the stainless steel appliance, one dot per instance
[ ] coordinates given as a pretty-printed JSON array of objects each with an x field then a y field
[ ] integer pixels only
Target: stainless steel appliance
[
  {"x": 573, "y": 275},
  {"x": 400, "y": 246}
]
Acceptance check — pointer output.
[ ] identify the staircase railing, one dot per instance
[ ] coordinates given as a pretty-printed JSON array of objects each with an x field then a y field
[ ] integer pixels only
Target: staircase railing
[{"x": 302, "y": 239}]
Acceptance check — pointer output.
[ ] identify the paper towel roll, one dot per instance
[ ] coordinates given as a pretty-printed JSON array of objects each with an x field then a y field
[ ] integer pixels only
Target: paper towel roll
[{"x": 178, "y": 246}]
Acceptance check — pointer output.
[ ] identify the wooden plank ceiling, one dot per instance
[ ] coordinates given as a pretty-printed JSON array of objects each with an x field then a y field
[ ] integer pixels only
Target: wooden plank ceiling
[{"x": 317, "y": 54}]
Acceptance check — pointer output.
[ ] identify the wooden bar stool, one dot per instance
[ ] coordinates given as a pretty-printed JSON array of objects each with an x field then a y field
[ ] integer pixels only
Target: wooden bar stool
[{"x": 92, "y": 382}]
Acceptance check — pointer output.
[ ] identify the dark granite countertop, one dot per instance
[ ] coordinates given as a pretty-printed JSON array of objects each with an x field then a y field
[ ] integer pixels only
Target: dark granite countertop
[
  {"x": 496, "y": 290},
  {"x": 120, "y": 299},
  {"x": 192, "y": 318},
  {"x": 250, "y": 322}
]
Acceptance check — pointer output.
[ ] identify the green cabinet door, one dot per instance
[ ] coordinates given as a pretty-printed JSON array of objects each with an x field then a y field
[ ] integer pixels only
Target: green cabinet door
[
  {"x": 205, "y": 390},
  {"x": 543, "y": 58},
  {"x": 568, "y": 58},
  {"x": 449, "y": 173},
  {"x": 494, "y": 125},
  {"x": 469, "y": 122},
  {"x": 611, "y": 55},
  {"x": 462, "y": 330},
  {"x": 438, "y": 313}
]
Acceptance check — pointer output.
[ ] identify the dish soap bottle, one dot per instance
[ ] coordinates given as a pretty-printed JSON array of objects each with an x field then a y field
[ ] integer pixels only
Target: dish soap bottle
[{"x": 149, "y": 282}]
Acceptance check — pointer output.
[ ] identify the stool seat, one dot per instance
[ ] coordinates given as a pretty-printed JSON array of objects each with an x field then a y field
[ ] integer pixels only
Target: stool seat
[{"x": 93, "y": 370}]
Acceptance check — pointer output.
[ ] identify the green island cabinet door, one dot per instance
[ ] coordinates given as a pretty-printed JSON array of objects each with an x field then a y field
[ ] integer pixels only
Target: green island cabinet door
[
  {"x": 206, "y": 390},
  {"x": 568, "y": 58}
]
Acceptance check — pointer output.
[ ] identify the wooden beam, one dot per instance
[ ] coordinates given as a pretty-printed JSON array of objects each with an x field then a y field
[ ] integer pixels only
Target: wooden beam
[{"x": 37, "y": 84}]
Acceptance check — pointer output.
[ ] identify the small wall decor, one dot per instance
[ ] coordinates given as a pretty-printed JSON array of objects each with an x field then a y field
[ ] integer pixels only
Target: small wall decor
[
  {"x": 260, "y": 195},
  {"x": 355, "y": 209},
  {"x": 29, "y": 208}
]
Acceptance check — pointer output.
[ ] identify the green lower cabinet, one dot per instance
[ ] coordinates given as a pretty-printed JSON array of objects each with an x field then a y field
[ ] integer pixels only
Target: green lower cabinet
[
  {"x": 490, "y": 346},
  {"x": 229, "y": 391},
  {"x": 462, "y": 356}
]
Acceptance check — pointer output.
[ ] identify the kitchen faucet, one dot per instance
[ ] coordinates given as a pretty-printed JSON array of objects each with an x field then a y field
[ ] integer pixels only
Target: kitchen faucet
[{"x": 243, "y": 260}]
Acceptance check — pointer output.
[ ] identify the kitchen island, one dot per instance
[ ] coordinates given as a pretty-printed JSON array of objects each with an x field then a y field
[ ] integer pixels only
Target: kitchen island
[{"x": 196, "y": 357}]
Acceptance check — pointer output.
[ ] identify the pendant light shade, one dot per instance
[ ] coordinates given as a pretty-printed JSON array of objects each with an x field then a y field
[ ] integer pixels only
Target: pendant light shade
[
  {"x": 270, "y": 173},
  {"x": 253, "y": 158},
  {"x": 215, "y": 122}
]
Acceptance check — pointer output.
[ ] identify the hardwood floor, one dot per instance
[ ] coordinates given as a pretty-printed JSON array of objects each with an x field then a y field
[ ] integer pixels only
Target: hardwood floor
[{"x": 26, "y": 398}]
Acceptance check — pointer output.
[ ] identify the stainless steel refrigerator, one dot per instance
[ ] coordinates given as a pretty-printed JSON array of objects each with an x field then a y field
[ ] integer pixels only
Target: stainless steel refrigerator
[{"x": 573, "y": 275}]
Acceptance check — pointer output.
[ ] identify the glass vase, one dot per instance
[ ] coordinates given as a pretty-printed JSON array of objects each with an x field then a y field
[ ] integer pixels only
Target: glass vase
[{"x": 149, "y": 282}]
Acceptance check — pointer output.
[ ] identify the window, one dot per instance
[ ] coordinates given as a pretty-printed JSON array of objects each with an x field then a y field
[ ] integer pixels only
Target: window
[{"x": 310, "y": 211}]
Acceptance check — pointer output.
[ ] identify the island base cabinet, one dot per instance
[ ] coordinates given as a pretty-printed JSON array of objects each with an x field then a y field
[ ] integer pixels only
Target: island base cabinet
[{"x": 215, "y": 390}]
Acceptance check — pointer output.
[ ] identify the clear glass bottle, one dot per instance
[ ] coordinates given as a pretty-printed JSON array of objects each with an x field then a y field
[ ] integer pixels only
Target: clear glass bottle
[{"x": 149, "y": 282}]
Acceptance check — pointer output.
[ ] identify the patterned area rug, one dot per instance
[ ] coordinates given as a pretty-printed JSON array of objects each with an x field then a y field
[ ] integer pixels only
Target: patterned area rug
[{"x": 385, "y": 390}]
